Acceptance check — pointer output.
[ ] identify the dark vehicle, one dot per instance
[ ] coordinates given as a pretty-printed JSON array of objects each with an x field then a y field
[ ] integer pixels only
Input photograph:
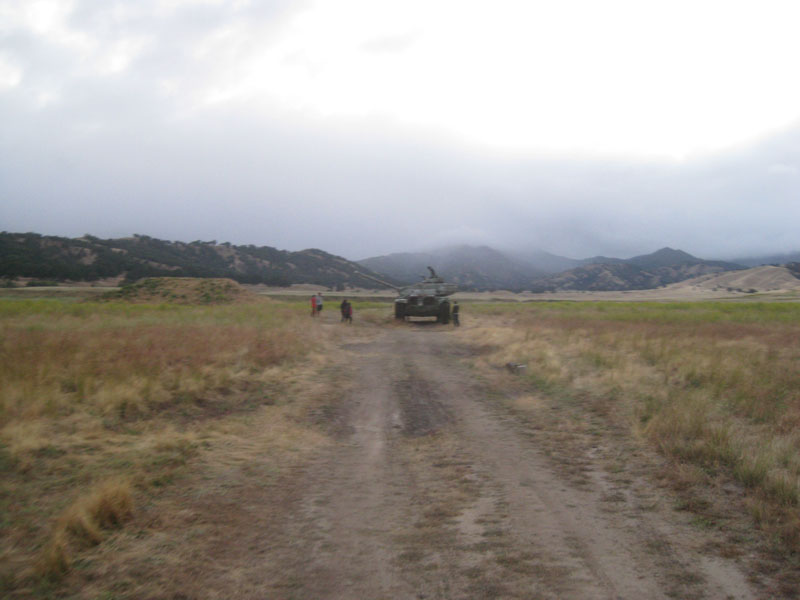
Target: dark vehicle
[{"x": 428, "y": 298}]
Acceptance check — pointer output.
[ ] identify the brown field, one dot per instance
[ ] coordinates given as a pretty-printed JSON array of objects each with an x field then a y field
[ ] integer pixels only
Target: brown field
[
  {"x": 713, "y": 387},
  {"x": 163, "y": 450},
  {"x": 103, "y": 405}
]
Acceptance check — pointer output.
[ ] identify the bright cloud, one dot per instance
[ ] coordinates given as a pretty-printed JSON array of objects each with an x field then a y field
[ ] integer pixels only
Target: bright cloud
[
  {"x": 619, "y": 77},
  {"x": 576, "y": 77},
  {"x": 348, "y": 124}
]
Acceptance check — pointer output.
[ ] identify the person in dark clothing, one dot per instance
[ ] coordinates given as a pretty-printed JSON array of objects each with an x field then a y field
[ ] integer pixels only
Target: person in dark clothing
[
  {"x": 454, "y": 314},
  {"x": 345, "y": 308}
]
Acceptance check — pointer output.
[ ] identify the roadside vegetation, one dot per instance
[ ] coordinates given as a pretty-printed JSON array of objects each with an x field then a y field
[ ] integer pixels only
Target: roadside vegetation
[
  {"x": 102, "y": 405},
  {"x": 714, "y": 387}
]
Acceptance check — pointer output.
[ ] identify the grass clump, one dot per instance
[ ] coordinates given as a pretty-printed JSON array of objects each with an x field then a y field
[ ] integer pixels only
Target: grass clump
[{"x": 83, "y": 524}]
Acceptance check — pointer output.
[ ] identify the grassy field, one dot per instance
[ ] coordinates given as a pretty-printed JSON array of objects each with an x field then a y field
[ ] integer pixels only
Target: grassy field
[
  {"x": 715, "y": 387},
  {"x": 104, "y": 404}
]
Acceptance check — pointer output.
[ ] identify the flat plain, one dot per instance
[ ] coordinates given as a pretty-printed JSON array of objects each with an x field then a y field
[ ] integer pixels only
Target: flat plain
[{"x": 645, "y": 449}]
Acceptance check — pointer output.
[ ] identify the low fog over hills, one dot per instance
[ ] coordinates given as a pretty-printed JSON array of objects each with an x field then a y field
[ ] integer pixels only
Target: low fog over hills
[
  {"x": 473, "y": 267},
  {"x": 774, "y": 259}
]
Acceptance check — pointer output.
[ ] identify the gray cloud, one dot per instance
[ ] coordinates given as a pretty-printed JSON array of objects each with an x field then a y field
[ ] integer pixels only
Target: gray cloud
[{"x": 83, "y": 150}]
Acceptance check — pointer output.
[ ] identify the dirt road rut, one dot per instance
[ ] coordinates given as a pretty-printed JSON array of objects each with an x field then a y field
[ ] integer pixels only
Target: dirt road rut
[{"x": 433, "y": 491}]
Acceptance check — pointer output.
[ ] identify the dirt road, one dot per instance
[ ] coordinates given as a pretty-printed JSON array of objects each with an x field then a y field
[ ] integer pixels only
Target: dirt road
[
  {"x": 423, "y": 485},
  {"x": 433, "y": 491}
]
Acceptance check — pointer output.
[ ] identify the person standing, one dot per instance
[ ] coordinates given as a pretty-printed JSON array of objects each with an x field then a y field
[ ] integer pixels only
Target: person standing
[
  {"x": 344, "y": 306},
  {"x": 454, "y": 314},
  {"x": 319, "y": 302},
  {"x": 314, "y": 305},
  {"x": 349, "y": 313}
]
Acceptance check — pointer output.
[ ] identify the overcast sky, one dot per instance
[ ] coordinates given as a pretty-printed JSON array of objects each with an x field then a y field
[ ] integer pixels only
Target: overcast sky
[{"x": 365, "y": 127}]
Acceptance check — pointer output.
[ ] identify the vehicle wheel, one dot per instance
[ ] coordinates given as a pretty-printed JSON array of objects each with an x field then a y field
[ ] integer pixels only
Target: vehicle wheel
[
  {"x": 399, "y": 311},
  {"x": 444, "y": 313}
]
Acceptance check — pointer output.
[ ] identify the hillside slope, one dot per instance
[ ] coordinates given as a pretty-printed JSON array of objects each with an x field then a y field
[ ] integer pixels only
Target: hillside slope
[
  {"x": 667, "y": 257},
  {"x": 660, "y": 268},
  {"x": 90, "y": 259},
  {"x": 759, "y": 279},
  {"x": 482, "y": 268}
]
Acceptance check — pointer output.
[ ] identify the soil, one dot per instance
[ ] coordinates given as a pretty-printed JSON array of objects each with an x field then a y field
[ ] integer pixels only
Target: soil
[
  {"x": 435, "y": 493},
  {"x": 431, "y": 489}
]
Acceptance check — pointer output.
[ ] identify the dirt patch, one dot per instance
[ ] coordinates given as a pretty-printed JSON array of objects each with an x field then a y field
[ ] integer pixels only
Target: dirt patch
[
  {"x": 438, "y": 492},
  {"x": 421, "y": 412}
]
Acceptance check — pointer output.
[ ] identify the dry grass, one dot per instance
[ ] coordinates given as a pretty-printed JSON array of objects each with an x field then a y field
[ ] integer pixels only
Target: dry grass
[
  {"x": 82, "y": 524},
  {"x": 714, "y": 386},
  {"x": 102, "y": 405}
]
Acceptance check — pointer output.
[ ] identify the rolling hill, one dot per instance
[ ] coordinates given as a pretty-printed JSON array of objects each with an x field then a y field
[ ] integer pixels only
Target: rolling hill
[
  {"x": 756, "y": 279},
  {"x": 483, "y": 268},
  {"x": 471, "y": 267},
  {"x": 51, "y": 258},
  {"x": 647, "y": 271},
  {"x": 30, "y": 255},
  {"x": 667, "y": 257}
]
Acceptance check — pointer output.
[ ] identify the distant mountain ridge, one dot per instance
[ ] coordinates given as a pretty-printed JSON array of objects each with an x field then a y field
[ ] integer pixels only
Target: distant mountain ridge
[
  {"x": 89, "y": 258},
  {"x": 667, "y": 257},
  {"x": 52, "y": 258},
  {"x": 622, "y": 276},
  {"x": 471, "y": 267},
  {"x": 483, "y": 268}
]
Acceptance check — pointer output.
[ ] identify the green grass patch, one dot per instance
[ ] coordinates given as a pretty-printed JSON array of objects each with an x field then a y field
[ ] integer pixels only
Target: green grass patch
[{"x": 649, "y": 312}]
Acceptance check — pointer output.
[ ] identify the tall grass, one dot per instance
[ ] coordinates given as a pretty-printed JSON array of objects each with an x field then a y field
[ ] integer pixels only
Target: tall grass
[
  {"x": 107, "y": 397},
  {"x": 715, "y": 385},
  {"x": 56, "y": 360}
]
